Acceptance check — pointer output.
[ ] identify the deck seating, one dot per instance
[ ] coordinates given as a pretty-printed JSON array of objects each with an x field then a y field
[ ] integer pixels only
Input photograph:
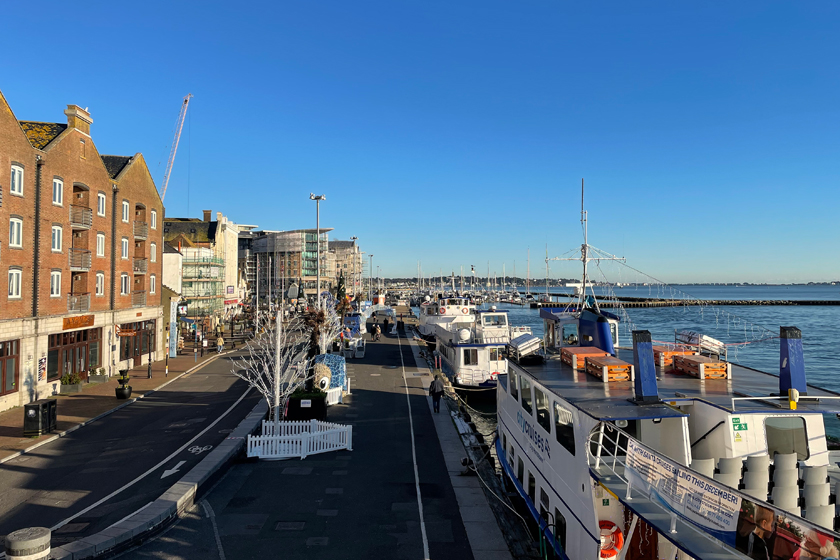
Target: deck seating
[
  {"x": 786, "y": 478},
  {"x": 757, "y": 493},
  {"x": 729, "y": 479},
  {"x": 821, "y": 515},
  {"x": 815, "y": 475},
  {"x": 731, "y": 465},
  {"x": 816, "y": 494},
  {"x": 757, "y": 480},
  {"x": 758, "y": 463},
  {"x": 704, "y": 466},
  {"x": 786, "y": 497},
  {"x": 784, "y": 461}
]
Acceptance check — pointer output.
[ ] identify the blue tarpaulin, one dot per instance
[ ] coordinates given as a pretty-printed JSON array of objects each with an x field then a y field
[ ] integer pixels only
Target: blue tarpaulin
[{"x": 338, "y": 368}]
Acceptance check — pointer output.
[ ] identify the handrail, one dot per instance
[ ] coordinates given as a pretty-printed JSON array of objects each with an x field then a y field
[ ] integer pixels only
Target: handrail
[
  {"x": 715, "y": 427},
  {"x": 780, "y": 398}
]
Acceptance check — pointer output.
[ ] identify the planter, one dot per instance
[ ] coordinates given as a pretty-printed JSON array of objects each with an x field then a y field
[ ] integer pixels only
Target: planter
[
  {"x": 97, "y": 378},
  {"x": 317, "y": 409},
  {"x": 71, "y": 389},
  {"x": 123, "y": 391}
]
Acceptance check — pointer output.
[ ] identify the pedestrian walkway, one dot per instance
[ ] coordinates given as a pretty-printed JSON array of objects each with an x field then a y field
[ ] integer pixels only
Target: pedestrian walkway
[{"x": 95, "y": 400}]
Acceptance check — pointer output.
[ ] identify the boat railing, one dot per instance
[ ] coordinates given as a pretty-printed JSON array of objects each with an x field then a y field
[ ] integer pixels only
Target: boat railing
[
  {"x": 782, "y": 400},
  {"x": 475, "y": 377}
]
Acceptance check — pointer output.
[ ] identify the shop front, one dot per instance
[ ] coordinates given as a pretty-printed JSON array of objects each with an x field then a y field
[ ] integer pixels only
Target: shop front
[
  {"x": 74, "y": 352},
  {"x": 136, "y": 340},
  {"x": 9, "y": 360}
]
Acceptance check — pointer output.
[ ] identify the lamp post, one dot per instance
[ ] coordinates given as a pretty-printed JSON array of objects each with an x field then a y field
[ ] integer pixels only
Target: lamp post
[
  {"x": 318, "y": 198},
  {"x": 370, "y": 280},
  {"x": 354, "y": 239}
]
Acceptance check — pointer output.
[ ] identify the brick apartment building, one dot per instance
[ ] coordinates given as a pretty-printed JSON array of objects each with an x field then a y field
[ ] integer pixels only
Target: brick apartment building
[{"x": 82, "y": 253}]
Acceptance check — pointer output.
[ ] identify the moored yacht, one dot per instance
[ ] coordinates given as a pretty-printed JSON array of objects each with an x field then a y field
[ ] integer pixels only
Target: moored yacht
[
  {"x": 453, "y": 310},
  {"x": 473, "y": 356}
]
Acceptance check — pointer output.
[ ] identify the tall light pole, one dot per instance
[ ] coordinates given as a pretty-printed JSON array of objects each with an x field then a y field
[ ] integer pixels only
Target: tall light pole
[
  {"x": 354, "y": 239},
  {"x": 318, "y": 199},
  {"x": 370, "y": 280}
]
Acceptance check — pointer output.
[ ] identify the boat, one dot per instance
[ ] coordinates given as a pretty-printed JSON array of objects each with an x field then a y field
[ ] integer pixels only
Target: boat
[
  {"x": 456, "y": 310},
  {"x": 665, "y": 451}
]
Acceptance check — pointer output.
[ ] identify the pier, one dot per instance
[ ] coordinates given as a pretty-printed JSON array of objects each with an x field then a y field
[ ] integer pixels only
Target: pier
[{"x": 633, "y": 302}]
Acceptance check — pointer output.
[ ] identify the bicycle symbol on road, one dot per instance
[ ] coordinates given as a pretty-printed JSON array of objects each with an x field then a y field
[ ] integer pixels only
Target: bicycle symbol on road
[{"x": 198, "y": 450}]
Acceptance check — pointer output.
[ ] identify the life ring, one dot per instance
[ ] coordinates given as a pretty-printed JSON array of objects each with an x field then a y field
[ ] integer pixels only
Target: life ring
[
  {"x": 442, "y": 310},
  {"x": 465, "y": 311},
  {"x": 611, "y": 539}
]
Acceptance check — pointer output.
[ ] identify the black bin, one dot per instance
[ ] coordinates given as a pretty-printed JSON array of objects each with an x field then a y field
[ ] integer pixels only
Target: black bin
[{"x": 39, "y": 417}]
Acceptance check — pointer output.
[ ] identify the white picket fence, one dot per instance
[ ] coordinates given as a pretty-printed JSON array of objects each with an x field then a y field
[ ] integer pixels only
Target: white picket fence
[{"x": 299, "y": 439}]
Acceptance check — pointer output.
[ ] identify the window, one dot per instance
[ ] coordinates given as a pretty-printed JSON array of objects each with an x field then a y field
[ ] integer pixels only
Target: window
[
  {"x": 470, "y": 356},
  {"x": 520, "y": 471},
  {"x": 786, "y": 434},
  {"x": 514, "y": 384},
  {"x": 55, "y": 283},
  {"x": 504, "y": 441},
  {"x": 55, "y": 245},
  {"x": 570, "y": 334},
  {"x": 14, "y": 283},
  {"x": 494, "y": 320},
  {"x": 125, "y": 213},
  {"x": 154, "y": 219},
  {"x": 544, "y": 505},
  {"x": 100, "y": 283},
  {"x": 100, "y": 204},
  {"x": 100, "y": 244},
  {"x": 560, "y": 528},
  {"x": 9, "y": 353},
  {"x": 152, "y": 284},
  {"x": 511, "y": 456},
  {"x": 16, "y": 186},
  {"x": 124, "y": 285},
  {"x": 58, "y": 192},
  {"x": 125, "y": 247},
  {"x": 526, "y": 395},
  {"x": 532, "y": 488},
  {"x": 564, "y": 428},
  {"x": 15, "y": 232},
  {"x": 543, "y": 413},
  {"x": 496, "y": 354},
  {"x": 82, "y": 152},
  {"x": 153, "y": 252}
]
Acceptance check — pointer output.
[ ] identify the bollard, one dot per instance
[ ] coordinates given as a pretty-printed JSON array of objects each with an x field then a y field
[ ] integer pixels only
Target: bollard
[{"x": 32, "y": 544}]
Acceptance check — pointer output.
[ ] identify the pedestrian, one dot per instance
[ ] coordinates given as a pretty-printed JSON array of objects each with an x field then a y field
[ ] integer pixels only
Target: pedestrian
[
  {"x": 436, "y": 390},
  {"x": 220, "y": 344},
  {"x": 385, "y": 324}
]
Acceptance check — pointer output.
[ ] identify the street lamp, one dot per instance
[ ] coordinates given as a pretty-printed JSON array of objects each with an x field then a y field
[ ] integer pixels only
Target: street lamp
[
  {"x": 318, "y": 198},
  {"x": 354, "y": 239},
  {"x": 370, "y": 280}
]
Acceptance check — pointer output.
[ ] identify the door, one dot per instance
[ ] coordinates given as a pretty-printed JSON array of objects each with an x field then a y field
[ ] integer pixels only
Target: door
[{"x": 138, "y": 351}]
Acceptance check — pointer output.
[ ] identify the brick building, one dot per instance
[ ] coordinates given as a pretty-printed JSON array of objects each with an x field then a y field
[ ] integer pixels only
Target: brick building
[{"x": 81, "y": 254}]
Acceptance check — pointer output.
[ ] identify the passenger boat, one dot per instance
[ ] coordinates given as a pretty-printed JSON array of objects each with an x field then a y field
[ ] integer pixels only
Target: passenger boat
[
  {"x": 472, "y": 356},
  {"x": 616, "y": 452},
  {"x": 456, "y": 312}
]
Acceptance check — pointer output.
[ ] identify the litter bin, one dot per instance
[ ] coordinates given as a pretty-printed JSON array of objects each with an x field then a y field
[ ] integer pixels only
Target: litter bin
[{"x": 39, "y": 417}]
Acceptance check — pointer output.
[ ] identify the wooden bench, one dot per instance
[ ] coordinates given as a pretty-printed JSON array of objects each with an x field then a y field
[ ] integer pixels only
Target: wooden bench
[
  {"x": 664, "y": 355},
  {"x": 575, "y": 355},
  {"x": 607, "y": 368},
  {"x": 703, "y": 367}
]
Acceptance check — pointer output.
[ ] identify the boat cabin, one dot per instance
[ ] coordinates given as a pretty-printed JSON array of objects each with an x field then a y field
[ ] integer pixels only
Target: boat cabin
[
  {"x": 572, "y": 328},
  {"x": 473, "y": 354}
]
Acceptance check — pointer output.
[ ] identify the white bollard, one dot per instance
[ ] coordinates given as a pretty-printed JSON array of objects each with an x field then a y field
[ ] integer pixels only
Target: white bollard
[{"x": 32, "y": 543}]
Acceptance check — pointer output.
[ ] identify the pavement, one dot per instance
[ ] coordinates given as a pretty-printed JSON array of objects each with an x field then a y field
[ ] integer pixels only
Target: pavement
[
  {"x": 92, "y": 478},
  {"x": 397, "y": 494}
]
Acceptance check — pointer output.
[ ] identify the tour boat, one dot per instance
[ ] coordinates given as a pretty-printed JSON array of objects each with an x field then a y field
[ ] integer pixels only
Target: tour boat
[
  {"x": 472, "y": 356},
  {"x": 456, "y": 312}
]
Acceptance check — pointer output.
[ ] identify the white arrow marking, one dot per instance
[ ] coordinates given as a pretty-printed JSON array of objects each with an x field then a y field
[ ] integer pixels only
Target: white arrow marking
[{"x": 167, "y": 472}]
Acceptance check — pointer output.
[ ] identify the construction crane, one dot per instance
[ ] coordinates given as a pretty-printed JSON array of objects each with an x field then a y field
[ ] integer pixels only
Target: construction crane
[{"x": 178, "y": 127}]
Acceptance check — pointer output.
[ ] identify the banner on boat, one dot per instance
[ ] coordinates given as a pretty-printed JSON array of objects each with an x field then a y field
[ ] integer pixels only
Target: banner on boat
[{"x": 754, "y": 528}]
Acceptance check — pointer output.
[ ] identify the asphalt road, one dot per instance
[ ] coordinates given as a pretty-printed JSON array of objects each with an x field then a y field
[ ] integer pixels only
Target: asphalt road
[
  {"x": 339, "y": 505},
  {"x": 94, "y": 477}
]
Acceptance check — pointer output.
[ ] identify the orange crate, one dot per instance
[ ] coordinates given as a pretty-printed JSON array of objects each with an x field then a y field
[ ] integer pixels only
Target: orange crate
[
  {"x": 664, "y": 355},
  {"x": 575, "y": 355},
  {"x": 703, "y": 367},
  {"x": 608, "y": 368}
]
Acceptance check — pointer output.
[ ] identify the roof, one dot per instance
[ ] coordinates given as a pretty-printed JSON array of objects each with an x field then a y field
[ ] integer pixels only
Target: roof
[
  {"x": 40, "y": 133},
  {"x": 169, "y": 248},
  {"x": 195, "y": 231},
  {"x": 115, "y": 164},
  {"x": 336, "y": 244}
]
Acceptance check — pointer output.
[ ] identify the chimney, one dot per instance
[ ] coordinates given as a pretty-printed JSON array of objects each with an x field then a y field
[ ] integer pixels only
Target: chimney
[
  {"x": 218, "y": 216},
  {"x": 207, "y": 214},
  {"x": 78, "y": 118}
]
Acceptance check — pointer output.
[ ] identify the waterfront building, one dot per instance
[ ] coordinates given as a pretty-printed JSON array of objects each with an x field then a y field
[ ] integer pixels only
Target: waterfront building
[
  {"x": 348, "y": 262},
  {"x": 81, "y": 255}
]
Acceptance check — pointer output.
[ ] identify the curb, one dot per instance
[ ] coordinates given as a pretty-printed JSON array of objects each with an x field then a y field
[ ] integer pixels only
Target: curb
[
  {"x": 180, "y": 497},
  {"x": 106, "y": 413}
]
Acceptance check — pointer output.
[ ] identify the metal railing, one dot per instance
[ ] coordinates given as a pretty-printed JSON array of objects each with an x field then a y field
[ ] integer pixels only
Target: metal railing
[
  {"x": 79, "y": 260},
  {"x": 80, "y": 217},
  {"x": 141, "y": 230},
  {"x": 141, "y": 266},
  {"x": 138, "y": 298},
  {"x": 78, "y": 303}
]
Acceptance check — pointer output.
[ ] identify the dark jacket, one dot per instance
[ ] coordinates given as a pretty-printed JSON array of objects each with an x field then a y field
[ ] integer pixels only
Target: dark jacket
[{"x": 437, "y": 387}]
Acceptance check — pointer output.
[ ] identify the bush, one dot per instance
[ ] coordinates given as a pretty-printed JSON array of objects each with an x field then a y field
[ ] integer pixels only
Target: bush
[{"x": 70, "y": 379}]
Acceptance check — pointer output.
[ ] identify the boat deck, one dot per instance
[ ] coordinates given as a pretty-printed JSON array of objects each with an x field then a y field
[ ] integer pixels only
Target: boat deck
[{"x": 611, "y": 401}]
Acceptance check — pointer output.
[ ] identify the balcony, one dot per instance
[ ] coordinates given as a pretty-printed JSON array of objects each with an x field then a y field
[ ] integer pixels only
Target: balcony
[
  {"x": 78, "y": 303},
  {"x": 141, "y": 266},
  {"x": 141, "y": 230},
  {"x": 138, "y": 298},
  {"x": 79, "y": 260},
  {"x": 80, "y": 217}
]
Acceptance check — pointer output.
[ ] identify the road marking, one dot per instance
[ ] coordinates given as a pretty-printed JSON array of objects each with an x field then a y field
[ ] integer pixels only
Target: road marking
[
  {"x": 173, "y": 470},
  {"x": 150, "y": 471},
  {"x": 208, "y": 511},
  {"x": 414, "y": 458},
  {"x": 198, "y": 450}
]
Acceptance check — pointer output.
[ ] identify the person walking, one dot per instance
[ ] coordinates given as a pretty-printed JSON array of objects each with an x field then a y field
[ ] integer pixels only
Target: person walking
[
  {"x": 220, "y": 344},
  {"x": 436, "y": 390},
  {"x": 385, "y": 325}
]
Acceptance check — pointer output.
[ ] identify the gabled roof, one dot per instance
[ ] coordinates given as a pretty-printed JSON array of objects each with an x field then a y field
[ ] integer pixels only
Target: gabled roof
[
  {"x": 168, "y": 248},
  {"x": 196, "y": 231},
  {"x": 115, "y": 164},
  {"x": 40, "y": 133}
]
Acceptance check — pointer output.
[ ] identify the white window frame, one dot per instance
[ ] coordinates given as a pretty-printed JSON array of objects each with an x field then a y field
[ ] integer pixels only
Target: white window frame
[
  {"x": 124, "y": 284},
  {"x": 124, "y": 249},
  {"x": 126, "y": 212},
  {"x": 100, "y": 283},
  {"x": 54, "y": 238},
  {"x": 100, "y": 244},
  {"x": 154, "y": 219},
  {"x": 58, "y": 192},
  {"x": 153, "y": 252},
  {"x": 152, "y": 284},
  {"x": 16, "y": 181},
  {"x": 15, "y": 281},
  {"x": 16, "y": 226},
  {"x": 55, "y": 284},
  {"x": 101, "y": 202}
]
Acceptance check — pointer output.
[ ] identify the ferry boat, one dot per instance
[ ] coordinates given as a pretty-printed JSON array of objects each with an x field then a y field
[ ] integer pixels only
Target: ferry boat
[
  {"x": 662, "y": 452},
  {"x": 455, "y": 312},
  {"x": 472, "y": 356}
]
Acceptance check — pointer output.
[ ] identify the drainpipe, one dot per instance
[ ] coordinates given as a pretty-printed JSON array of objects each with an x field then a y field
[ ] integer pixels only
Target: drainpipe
[
  {"x": 36, "y": 254},
  {"x": 116, "y": 191}
]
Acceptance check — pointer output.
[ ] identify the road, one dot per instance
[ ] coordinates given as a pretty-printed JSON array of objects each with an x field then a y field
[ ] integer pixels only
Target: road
[{"x": 94, "y": 477}]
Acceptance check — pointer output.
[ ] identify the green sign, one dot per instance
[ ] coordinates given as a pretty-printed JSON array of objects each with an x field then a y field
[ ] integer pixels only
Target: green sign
[
  {"x": 736, "y": 420},
  {"x": 605, "y": 502},
  {"x": 740, "y": 427}
]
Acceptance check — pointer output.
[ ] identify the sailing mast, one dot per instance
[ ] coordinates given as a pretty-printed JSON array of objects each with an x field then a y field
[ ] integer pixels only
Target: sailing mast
[{"x": 528, "y": 275}]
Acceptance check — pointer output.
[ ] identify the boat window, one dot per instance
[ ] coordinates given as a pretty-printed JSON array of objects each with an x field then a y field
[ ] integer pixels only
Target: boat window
[
  {"x": 504, "y": 440},
  {"x": 614, "y": 333},
  {"x": 786, "y": 434},
  {"x": 496, "y": 354},
  {"x": 511, "y": 455},
  {"x": 532, "y": 488},
  {"x": 560, "y": 528},
  {"x": 520, "y": 471},
  {"x": 514, "y": 384},
  {"x": 544, "y": 509},
  {"x": 543, "y": 414},
  {"x": 470, "y": 356},
  {"x": 570, "y": 334},
  {"x": 526, "y": 395},
  {"x": 564, "y": 428},
  {"x": 494, "y": 320}
]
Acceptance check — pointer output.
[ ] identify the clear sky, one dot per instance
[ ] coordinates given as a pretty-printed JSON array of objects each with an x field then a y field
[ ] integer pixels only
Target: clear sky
[{"x": 456, "y": 133}]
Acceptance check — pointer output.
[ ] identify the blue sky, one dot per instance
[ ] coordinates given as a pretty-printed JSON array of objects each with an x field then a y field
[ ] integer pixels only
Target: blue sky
[{"x": 456, "y": 133}]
